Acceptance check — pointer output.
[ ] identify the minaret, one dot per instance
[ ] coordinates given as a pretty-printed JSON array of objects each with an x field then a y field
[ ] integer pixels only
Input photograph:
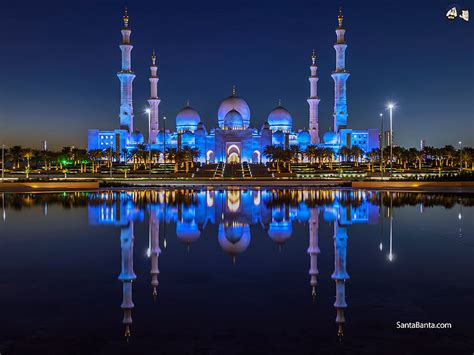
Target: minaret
[
  {"x": 340, "y": 77},
  {"x": 127, "y": 276},
  {"x": 155, "y": 250},
  {"x": 340, "y": 274},
  {"x": 313, "y": 249},
  {"x": 153, "y": 101},
  {"x": 313, "y": 102},
  {"x": 126, "y": 77}
]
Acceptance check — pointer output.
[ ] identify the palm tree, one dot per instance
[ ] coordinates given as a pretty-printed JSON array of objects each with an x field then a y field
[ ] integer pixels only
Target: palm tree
[
  {"x": 345, "y": 153},
  {"x": 310, "y": 153},
  {"x": 417, "y": 157},
  {"x": 295, "y": 153},
  {"x": 372, "y": 156},
  {"x": 328, "y": 154},
  {"x": 172, "y": 155},
  {"x": 95, "y": 155},
  {"x": 15, "y": 154},
  {"x": 27, "y": 154},
  {"x": 357, "y": 154}
]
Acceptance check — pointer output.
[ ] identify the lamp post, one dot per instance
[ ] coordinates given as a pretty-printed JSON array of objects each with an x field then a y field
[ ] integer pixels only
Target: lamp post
[
  {"x": 381, "y": 143},
  {"x": 3, "y": 161},
  {"x": 460, "y": 156},
  {"x": 148, "y": 111},
  {"x": 390, "y": 107}
]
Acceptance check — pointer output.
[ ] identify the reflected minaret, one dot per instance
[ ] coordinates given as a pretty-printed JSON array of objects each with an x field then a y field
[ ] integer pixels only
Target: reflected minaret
[
  {"x": 155, "y": 251},
  {"x": 340, "y": 275},
  {"x": 313, "y": 249},
  {"x": 127, "y": 276}
]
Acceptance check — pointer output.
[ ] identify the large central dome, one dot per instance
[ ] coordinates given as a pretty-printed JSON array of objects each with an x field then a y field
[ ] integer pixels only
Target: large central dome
[{"x": 233, "y": 103}]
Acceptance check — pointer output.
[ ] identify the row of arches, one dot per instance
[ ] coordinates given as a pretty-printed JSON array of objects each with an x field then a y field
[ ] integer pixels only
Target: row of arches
[{"x": 233, "y": 155}]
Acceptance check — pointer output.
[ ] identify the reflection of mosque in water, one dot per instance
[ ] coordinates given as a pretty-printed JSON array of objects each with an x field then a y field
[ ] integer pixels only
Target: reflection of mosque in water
[{"x": 234, "y": 211}]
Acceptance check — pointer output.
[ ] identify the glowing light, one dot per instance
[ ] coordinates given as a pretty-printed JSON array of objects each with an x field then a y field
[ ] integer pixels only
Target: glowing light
[
  {"x": 380, "y": 246},
  {"x": 147, "y": 110},
  {"x": 459, "y": 216},
  {"x": 390, "y": 105}
]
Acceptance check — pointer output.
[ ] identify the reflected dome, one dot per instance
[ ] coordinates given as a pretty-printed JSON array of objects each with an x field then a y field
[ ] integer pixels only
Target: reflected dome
[
  {"x": 234, "y": 238},
  {"x": 280, "y": 232}
]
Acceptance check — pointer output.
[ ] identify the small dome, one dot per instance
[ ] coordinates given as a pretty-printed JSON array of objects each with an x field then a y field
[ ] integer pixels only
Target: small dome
[
  {"x": 278, "y": 138},
  {"x": 304, "y": 138},
  {"x": 137, "y": 138},
  {"x": 265, "y": 126},
  {"x": 233, "y": 120},
  {"x": 201, "y": 126},
  {"x": 187, "y": 119},
  {"x": 280, "y": 118},
  {"x": 330, "y": 137},
  {"x": 233, "y": 103}
]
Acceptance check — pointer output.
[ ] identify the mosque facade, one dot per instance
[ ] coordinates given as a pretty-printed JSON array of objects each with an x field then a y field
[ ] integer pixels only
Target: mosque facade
[{"x": 234, "y": 140}]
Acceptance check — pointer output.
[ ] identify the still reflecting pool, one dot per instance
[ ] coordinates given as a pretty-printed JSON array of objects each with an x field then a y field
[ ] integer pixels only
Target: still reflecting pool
[{"x": 236, "y": 271}]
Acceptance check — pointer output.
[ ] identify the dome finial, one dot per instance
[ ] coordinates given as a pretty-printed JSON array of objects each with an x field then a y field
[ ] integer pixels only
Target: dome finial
[
  {"x": 279, "y": 102},
  {"x": 187, "y": 102},
  {"x": 125, "y": 17},
  {"x": 313, "y": 57},
  {"x": 234, "y": 90},
  {"x": 153, "y": 57},
  {"x": 340, "y": 18}
]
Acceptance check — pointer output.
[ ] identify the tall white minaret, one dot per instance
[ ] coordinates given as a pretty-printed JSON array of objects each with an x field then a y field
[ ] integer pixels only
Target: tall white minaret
[
  {"x": 313, "y": 102},
  {"x": 153, "y": 101},
  {"x": 340, "y": 274},
  {"x": 313, "y": 249},
  {"x": 155, "y": 250},
  {"x": 340, "y": 77},
  {"x": 127, "y": 276},
  {"x": 126, "y": 77}
]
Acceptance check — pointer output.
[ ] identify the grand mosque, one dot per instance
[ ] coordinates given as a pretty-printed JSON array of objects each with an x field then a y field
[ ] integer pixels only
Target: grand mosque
[{"x": 234, "y": 140}]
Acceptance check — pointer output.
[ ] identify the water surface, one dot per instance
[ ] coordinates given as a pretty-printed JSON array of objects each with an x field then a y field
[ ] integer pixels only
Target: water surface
[{"x": 235, "y": 272}]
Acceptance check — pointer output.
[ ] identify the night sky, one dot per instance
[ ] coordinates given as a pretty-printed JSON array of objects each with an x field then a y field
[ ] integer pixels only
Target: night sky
[{"x": 60, "y": 59}]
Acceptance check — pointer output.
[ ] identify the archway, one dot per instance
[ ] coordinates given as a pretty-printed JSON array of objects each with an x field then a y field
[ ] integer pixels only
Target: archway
[
  {"x": 256, "y": 157},
  {"x": 233, "y": 154},
  {"x": 210, "y": 157}
]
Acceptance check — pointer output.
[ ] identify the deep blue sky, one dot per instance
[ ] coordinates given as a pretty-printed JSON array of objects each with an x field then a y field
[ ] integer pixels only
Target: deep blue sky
[{"x": 60, "y": 59}]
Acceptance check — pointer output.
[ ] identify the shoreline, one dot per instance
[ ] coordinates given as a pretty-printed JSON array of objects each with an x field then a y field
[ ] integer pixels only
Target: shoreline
[{"x": 77, "y": 185}]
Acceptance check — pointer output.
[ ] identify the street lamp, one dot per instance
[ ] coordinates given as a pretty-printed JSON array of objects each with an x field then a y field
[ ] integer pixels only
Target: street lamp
[
  {"x": 381, "y": 143},
  {"x": 460, "y": 157},
  {"x": 390, "y": 106}
]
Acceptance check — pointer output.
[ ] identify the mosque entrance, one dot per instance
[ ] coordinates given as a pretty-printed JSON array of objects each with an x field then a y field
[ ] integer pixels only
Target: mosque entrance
[{"x": 233, "y": 153}]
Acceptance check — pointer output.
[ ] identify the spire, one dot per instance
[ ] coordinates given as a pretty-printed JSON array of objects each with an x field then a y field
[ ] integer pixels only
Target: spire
[
  {"x": 340, "y": 18},
  {"x": 234, "y": 90},
  {"x": 125, "y": 18},
  {"x": 153, "y": 57},
  {"x": 313, "y": 57}
]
